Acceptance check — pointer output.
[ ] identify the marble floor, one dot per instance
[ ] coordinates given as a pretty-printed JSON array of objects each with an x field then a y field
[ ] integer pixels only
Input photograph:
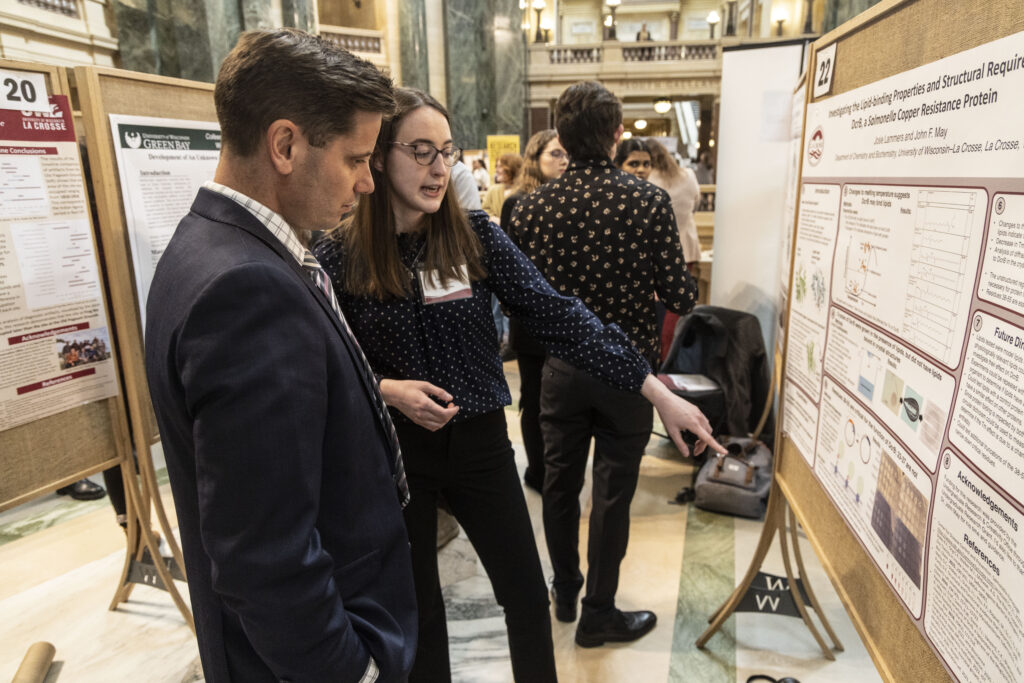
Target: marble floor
[{"x": 60, "y": 561}]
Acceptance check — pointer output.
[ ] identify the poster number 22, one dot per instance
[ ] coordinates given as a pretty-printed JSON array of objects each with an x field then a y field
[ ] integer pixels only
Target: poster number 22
[{"x": 826, "y": 63}]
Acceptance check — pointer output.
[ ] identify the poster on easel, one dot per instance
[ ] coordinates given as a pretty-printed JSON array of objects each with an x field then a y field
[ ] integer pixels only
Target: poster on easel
[
  {"x": 905, "y": 360},
  {"x": 55, "y": 346},
  {"x": 161, "y": 164}
]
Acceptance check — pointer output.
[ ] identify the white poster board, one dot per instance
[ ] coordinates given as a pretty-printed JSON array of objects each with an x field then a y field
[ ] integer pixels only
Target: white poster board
[
  {"x": 753, "y": 154},
  {"x": 55, "y": 350},
  {"x": 161, "y": 164}
]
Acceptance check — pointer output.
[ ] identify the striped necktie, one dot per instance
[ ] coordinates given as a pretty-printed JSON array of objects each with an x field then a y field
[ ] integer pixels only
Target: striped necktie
[{"x": 323, "y": 283}]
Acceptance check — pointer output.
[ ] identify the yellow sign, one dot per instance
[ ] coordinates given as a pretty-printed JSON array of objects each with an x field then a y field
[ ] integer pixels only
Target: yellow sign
[{"x": 498, "y": 145}]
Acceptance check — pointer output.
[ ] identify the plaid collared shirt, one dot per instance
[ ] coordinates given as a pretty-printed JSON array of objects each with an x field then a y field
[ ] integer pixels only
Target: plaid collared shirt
[{"x": 284, "y": 234}]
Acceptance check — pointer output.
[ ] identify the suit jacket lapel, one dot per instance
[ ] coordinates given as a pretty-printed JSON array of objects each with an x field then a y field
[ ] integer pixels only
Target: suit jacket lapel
[{"x": 221, "y": 209}]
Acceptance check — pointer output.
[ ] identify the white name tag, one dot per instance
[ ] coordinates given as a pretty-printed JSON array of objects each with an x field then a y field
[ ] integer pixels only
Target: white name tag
[{"x": 435, "y": 293}]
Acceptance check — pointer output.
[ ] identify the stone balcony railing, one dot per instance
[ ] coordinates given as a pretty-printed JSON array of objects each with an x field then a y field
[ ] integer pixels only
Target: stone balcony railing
[
  {"x": 367, "y": 43},
  {"x": 649, "y": 68}
]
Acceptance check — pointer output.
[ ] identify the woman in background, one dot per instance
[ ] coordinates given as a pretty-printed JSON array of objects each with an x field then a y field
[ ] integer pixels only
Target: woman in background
[
  {"x": 682, "y": 188},
  {"x": 506, "y": 171},
  {"x": 480, "y": 175},
  {"x": 632, "y": 156},
  {"x": 544, "y": 160}
]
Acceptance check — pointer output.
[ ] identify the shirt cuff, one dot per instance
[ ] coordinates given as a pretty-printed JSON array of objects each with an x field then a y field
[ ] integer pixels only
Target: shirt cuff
[{"x": 372, "y": 672}]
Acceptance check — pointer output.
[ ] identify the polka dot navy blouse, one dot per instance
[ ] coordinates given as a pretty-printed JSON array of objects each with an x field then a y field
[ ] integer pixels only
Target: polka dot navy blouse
[{"x": 454, "y": 344}]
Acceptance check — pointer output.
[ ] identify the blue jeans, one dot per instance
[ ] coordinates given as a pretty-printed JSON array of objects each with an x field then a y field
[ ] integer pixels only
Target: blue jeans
[{"x": 500, "y": 320}]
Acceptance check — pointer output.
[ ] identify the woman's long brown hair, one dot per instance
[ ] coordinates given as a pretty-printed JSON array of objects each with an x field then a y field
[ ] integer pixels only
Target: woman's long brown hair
[
  {"x": 374, "y": 268},
  {"x": 530, "y": 177}
]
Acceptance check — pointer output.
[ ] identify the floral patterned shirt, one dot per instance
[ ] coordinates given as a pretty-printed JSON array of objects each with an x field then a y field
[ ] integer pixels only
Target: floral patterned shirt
[{"x": 610, "y": 239}]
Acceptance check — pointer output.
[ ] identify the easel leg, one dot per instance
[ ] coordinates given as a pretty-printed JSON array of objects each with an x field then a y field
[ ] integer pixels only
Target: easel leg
[
  {"x": 773, "y": 519},
  {"x": 815, "y": 605},
  {"x": 139, "y": 502},
  {"x": 798, "y": 599}
]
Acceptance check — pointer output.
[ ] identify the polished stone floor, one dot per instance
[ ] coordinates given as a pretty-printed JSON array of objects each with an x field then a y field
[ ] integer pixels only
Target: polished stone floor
[{"x": 60, "y": 561}]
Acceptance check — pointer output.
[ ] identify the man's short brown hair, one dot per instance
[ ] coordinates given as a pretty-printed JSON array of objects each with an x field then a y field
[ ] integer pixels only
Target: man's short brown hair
[
  {"x": 587, "y": 115},
  {"x": 289, "y": 74}
]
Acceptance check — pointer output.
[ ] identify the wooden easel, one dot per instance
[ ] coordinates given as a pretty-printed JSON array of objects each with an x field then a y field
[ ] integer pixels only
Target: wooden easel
[{"x": 104, "y": 91}]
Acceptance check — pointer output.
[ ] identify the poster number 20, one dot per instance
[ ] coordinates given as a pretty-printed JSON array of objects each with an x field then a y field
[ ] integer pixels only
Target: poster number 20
[
  {"x": 23, "y": 90},
  {"x": 20, "y": 91},
  {"x": 826, "y": 62}
]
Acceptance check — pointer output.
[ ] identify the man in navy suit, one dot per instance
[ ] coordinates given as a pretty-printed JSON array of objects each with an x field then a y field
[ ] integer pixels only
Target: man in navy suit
[{"x": 286, "y": 478}]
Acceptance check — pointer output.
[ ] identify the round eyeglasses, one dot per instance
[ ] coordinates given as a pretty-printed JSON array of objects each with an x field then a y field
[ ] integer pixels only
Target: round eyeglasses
[{"x": 425, "y": 153}]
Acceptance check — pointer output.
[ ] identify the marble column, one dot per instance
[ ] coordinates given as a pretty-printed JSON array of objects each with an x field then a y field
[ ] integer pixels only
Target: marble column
[
  {"x": 840, "y": 11},
  {"x": 412, "y": 21},
  {"x": 190, "y": 38},
  {"x": 486, "y": 70}
]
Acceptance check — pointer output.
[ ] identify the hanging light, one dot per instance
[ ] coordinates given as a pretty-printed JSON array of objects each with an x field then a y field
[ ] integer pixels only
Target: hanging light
[
  {"x": 662, "y": 105},
  {"x": 640, "y": 124},
  {"x": 711, "y": 143},
  {"x": 626, "y": 134}
]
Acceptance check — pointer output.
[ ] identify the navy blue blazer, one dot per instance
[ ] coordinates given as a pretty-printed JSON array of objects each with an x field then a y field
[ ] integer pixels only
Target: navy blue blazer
[{"x": 296, "y": 553}]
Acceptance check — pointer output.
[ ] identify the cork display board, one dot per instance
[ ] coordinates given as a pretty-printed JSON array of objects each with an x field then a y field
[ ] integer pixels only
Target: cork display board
[
  {"x": 61, "y": 414},
  {"x": 140, "y": 100}
]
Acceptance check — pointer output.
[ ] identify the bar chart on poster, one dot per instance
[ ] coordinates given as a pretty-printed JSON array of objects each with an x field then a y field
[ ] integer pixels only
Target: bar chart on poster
[{"x": 904, "y": 365}]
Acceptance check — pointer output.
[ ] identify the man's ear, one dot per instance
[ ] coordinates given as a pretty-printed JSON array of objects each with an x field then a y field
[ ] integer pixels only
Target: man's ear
[
  {"x": 377, "y": 160},
  {"x": 284, "y": 143},
  {"x": 618, "y": 133}
]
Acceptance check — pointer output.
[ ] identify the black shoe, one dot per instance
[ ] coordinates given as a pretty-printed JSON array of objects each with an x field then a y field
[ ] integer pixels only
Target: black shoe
[
  {"x": 616, "y": 627},
  {"x": 83, "y": 489},
  {"x": 565, "y": 609},
  {"x": 507, "y": 353}
]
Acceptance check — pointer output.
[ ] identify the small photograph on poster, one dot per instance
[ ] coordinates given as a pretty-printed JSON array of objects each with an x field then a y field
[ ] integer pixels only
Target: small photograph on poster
[
  {"x": 83, "y": 347},
  {"x": 899, "y": 515}
]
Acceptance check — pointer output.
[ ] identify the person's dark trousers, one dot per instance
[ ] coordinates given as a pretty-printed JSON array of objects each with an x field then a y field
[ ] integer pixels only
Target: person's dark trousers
[
  {"x": 531, "y": 367},
  {"x": 574, "y": 408},
  {"x": 472, "y": 464}
]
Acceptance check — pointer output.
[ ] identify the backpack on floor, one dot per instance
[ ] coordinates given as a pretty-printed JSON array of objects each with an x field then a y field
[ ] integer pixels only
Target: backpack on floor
[{"x": 736, "y": 483}]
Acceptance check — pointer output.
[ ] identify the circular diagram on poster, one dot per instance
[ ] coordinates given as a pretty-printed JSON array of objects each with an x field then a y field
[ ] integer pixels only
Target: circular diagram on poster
[
  {"x": 851, "y": 433},
  {"x": 865, "y": 449}
]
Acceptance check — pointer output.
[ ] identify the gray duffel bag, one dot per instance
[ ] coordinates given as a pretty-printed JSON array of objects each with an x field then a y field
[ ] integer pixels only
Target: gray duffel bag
[{"x": 737, "y": 483}]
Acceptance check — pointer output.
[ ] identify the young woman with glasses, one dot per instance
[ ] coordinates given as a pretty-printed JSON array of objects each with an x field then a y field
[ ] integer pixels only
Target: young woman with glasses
[{"x": 414, "y": 276}]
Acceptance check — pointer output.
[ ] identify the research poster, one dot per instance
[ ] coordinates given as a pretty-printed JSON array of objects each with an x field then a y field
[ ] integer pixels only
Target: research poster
[
  {"x": 906, "y": 340},
  {"x": 55, "y": 350},
  {"x": 161, "y": 164}
]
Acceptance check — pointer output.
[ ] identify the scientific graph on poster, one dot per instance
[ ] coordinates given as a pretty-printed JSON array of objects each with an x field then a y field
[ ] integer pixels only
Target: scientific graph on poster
[{"x": 906, "y": 340}]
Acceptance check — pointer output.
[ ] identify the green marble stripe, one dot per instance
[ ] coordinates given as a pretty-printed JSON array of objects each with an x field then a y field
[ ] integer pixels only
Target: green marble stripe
[
  {"x": 45, "y": 513},
  {"x": 707, "y": 578}
]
